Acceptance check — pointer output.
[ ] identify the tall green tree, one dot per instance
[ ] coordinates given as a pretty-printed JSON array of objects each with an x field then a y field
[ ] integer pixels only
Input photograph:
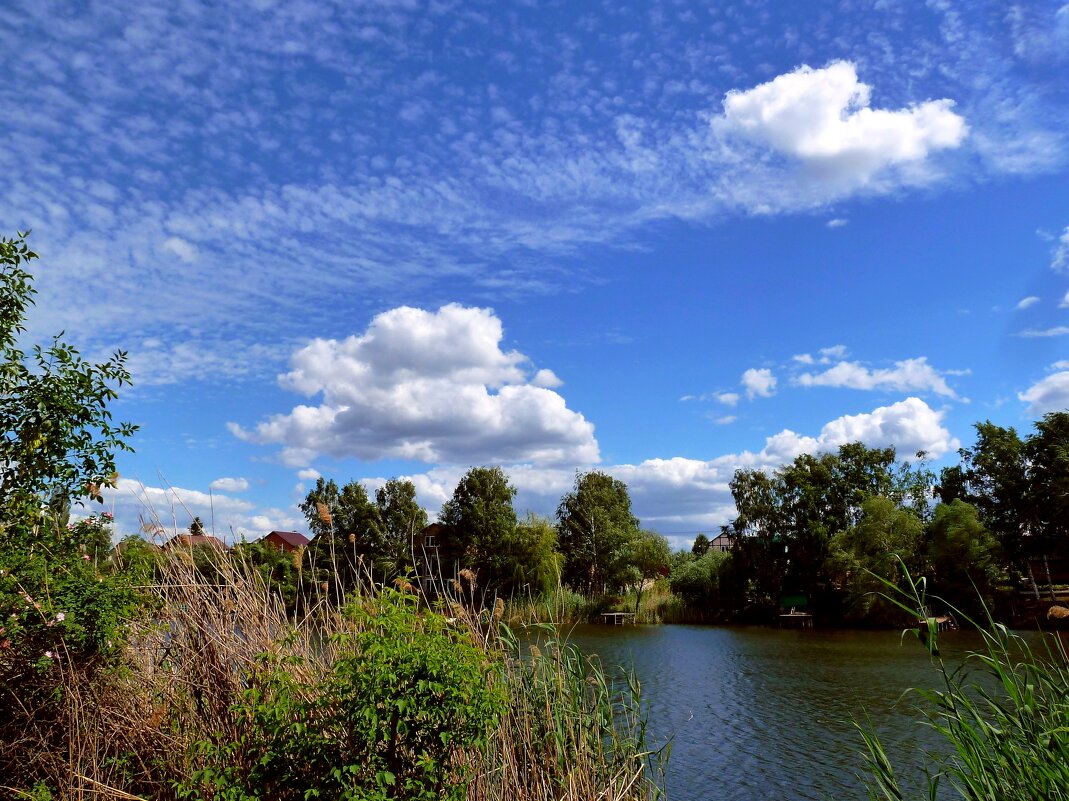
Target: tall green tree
[
  {"x": 401, "y": 518},
  {"x": 596, "y": 533},
  {"x": 993, "y": 477},
  {"x": 962, "y": 557},
  {"x": 885, "y": 537},
  {"x": 1047, "y": 497},
  {"x": 786, "y": 521},
  {"x": 535, "y": 559},
  {"x": 347, "y": 531},
  {"x": 481, "y": 527},
  {"x": 649, "y": 558}
]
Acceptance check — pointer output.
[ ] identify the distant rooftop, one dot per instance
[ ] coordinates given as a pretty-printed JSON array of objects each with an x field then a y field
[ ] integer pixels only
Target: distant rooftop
[{"x": 292, "y": 538}]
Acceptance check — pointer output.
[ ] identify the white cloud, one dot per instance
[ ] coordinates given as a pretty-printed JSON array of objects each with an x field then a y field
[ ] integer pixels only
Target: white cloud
[
  {"x": 1060, "y": 260},
  {"x": 838, "y": 222},
  {"x": 908, "y": 375},
  {"x": 1034, "y": 333},
  {"x": 183, "y": 249},
  {"x": 803, "y": 358},
  {"x": 759, "y": 383},
  {"x": 1064, "y": 302},
  {"x": 728, "y": 398},
  {"x": 162, "y": 512},
  {"x": 727, "y": 419},
  {"x": 1049, "y": 394},
  {"x": 1024, "y": 303},
  {"x": 428, "y": 386},
  {"x": 822, "y": 117},
  {"x": 546, "y": 378},
  {"x": 230, "y": 484},
  {"x": 308, "y": 474},
  {"x": 692, "y": 494}
]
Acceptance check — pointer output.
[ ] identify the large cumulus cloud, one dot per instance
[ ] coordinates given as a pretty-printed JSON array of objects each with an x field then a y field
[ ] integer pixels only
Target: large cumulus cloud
[{"x": 432, "y": 386}]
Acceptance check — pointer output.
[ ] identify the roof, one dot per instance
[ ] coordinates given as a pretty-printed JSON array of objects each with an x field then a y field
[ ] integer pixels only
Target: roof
[
  {"x": 292, "y": 538},
  {"x": 193, "y": 540}
]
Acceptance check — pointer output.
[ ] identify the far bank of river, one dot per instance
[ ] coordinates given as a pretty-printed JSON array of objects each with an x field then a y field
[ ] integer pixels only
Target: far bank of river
[{"x": 758, "y": 713}]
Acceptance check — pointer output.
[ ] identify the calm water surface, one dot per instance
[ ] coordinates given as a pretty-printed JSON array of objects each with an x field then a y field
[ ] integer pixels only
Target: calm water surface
[{"x": 757, "y": 713}]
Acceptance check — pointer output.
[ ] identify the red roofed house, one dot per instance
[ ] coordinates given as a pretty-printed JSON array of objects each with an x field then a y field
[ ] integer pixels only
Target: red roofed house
[
  {"x": 287, "y": 541},
  {"x": 195, "y": 540}
]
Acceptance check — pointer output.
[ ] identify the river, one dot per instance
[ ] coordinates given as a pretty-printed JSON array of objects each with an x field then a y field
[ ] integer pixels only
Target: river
[{"x": 755, "y": 713}]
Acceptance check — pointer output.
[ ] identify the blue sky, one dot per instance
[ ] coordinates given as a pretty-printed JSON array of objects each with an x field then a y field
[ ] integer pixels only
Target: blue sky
[{"x": 668, "y": 240}]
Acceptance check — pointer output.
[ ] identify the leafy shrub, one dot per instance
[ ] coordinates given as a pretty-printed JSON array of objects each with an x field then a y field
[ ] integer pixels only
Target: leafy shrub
[{"x": 407, "y": 703}]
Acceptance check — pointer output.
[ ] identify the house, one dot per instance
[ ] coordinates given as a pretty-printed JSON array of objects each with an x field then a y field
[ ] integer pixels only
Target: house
[
  {"x": 195, "y": 540},
  {"x": 287, "y": 541},
  {"x": 722, "y": 542}
]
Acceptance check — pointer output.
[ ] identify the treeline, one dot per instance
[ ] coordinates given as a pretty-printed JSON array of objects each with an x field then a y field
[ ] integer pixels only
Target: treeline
[
  {"x": 821, "y": 533},
  {"x": 825, "y": 531},
  {"x": 595, "y": 546}
]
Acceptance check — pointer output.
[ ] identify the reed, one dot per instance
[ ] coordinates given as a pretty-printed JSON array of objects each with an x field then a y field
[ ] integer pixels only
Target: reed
[
  {"x": 1003, "y": 716},
  {"x": 149, "y": 728}
]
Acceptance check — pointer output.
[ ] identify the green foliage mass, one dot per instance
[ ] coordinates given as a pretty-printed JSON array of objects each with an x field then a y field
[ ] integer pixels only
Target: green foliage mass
[
  {"x": 597, "y": 531},
  {"x": 57, "y": 437},
  {"x": 408, "y": 699},
  {"x": 481, "y": 529}
]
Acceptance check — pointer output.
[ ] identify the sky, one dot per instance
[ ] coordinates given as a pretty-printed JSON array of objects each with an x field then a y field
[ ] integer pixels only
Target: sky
[{"x": 666, "y": 240}]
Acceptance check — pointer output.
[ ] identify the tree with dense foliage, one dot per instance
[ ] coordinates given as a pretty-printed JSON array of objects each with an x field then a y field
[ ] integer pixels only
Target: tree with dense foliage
[
  {"x": 786, "y": 520},
  {"x": 649, "y": 558},
  {"x": 700, "y": 546},
  {"x": 346, "y": 528},
  {"x": 596, "y": 531},
  {"x": 698, "y": 581},
  {"x": 993, "y": 477},
  {"x": 871, "y": 552},
  {"x": 535, "y": 556},
  {"x": 1047, "y": 498},
  {"x": 58, "y": 443},
  {"x": 962, "y": 557},
  {"x": 402, "y": 518},
  {"x": 480, "y": 528}
]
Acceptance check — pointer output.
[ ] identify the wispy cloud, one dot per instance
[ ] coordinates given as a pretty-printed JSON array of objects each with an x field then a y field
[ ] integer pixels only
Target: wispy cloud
[{"x": 907, "y": 375}]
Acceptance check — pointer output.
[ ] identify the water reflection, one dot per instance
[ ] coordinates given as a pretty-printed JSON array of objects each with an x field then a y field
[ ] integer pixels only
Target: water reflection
[{"x": 757, "y": 713}]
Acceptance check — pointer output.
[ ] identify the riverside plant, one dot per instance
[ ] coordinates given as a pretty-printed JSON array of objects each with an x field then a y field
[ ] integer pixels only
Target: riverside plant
[
  {"x": 220, "y": 691},
  {"x": 1003, "y": 716}
]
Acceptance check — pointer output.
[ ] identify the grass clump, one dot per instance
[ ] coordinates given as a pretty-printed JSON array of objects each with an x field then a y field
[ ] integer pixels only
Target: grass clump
[{"x": 1003, "y": 716}]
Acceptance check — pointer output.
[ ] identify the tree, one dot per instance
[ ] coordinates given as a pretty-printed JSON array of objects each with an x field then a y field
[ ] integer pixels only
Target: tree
[
  {"x": 596, "y": 530},
  {"x": 699, "y": 581},
  {"x": 1047, "y": 498},
  {"x": 57, "y": 437},
  {"x": 993, "y": 477},
  {"x": 649, "y": 558},
  {"x": 401, "y": 518},
  {"x": 786, "y": 521},
  {"x": 347, "y": 530},
  {"x": 701, "y": 545},
  {"x": 885, "y": 537},
  {"x": 962, "y": 556},
  {"x": 481, "y": 527}
]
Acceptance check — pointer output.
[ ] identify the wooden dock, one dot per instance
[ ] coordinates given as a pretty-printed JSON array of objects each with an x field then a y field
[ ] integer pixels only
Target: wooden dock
[
  {"x": 792, "y": 619},
  {"x": 941, "y": 623},
  {"x": 617, "y": 618}
]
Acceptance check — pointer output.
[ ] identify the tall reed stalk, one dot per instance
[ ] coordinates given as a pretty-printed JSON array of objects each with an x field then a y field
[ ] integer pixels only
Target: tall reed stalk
[{"x": 1003, "y": 716}]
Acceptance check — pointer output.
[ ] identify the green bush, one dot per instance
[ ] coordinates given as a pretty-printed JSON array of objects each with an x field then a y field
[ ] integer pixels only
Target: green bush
[{"x": 403, "y": 712}]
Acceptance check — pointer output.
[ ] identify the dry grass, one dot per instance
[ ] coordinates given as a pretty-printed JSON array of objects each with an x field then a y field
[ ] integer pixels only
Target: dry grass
[{"x": 569, "y": 732}]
